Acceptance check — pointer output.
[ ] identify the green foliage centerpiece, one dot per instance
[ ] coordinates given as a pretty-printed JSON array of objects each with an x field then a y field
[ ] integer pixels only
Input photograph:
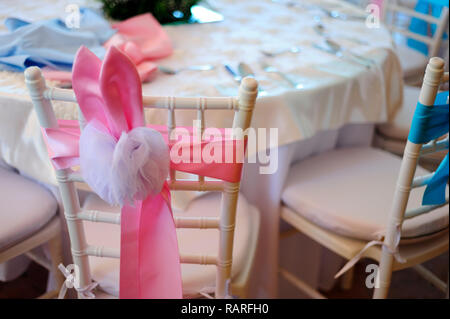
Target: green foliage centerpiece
[{"x": 165, "y": 11}]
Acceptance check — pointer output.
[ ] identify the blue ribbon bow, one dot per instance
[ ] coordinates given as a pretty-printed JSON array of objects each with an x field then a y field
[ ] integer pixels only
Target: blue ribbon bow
[{"x": 431, "y": 122}]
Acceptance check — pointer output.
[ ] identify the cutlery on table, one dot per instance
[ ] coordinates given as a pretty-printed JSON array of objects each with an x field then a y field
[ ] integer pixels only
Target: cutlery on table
[
  {"x": 236, "y": 77},
  {"x": 337, "y": 47},
  {"x": 271, "y": 69},
  {"x": 319, "y": 28},
  {"x": 335, "y": 14},
  {"x": 172, "y": 71},
  {"x": 272, "y": 54},
  {"x": 338, "y": 54},
  {"x": 245, "y": 70}
]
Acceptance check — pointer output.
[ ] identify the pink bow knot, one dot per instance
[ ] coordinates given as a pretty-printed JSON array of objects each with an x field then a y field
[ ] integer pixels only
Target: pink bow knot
[{"x": 133, "y": 167}]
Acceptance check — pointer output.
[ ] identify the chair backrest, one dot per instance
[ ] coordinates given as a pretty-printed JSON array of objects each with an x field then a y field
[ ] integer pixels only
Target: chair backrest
[
  {"x": 392, "y": 9},
  {"x": 434, "y": 77},
  {"x": 243, "y": 106}
]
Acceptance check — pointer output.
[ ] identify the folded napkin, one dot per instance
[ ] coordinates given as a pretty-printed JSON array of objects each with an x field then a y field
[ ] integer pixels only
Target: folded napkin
[
  {"x": 141, "y": 38},
  {"x": 50, "y": 42}
]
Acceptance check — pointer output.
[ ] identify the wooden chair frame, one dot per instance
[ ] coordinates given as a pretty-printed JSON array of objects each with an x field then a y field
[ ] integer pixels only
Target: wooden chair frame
[
  {"x": 433, "y": 42},
  {"x": 415, "y": 253},
  {"x": 243, "y": 106},
  {"x": 434, "y": 76}
]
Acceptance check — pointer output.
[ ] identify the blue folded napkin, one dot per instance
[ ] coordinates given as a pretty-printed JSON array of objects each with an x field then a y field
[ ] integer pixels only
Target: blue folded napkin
[
  {"x": 420, "y": 26},
  {"x": 51, "y": 42}
]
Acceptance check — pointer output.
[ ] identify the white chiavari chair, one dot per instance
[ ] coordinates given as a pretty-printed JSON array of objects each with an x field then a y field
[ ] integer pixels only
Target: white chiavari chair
[
  {"x": 95, "y": 221},
  {"x": 29, "y": 219},
  {"x": 348, "y": 198},
  {"x": 412, "y": 61}
]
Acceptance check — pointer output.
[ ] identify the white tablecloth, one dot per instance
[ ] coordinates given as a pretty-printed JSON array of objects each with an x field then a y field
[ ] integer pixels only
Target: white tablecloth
[{"x": 312, "y": 119}]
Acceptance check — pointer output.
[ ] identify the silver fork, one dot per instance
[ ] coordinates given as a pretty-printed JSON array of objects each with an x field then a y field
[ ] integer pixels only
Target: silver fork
[{"x": 271, "y": 69}]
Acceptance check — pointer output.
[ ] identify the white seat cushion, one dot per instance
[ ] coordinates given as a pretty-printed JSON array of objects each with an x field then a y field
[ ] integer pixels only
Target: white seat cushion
[
  {"x": 25, "y": 207},
  {"x": 413, "y": 62},
  {"x": 399, "y": 128},
  {"x": 196, "y": 241},
  {"x": 350, "y": 191}
]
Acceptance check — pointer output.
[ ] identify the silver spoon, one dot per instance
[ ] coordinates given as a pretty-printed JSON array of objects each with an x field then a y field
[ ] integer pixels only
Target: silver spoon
[
  {"x": 271, "y": 69},
  {"x": 171, "y": 71},
  {"x": 272, "y": 54}
]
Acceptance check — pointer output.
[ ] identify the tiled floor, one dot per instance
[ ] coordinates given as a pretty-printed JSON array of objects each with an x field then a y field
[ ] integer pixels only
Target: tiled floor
[{"x": 405, "y": 284}]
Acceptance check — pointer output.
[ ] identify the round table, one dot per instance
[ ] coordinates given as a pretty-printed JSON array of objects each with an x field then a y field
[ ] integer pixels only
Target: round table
[{"x": 335, "y": 102}]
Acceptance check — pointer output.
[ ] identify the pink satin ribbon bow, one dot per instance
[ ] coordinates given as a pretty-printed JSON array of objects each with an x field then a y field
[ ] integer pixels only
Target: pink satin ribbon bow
[{"x": 110, "y": 97}]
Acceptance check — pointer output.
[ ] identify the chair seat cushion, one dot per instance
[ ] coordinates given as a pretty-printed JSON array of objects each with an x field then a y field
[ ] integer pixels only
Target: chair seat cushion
[
  {"x": 413, "y": 62},
  {"x": 350, "y": 192},
  {"x": 196, "y": 278},
  {"x": 399, "y": 128},
  {"x": 25, "y": 207}
]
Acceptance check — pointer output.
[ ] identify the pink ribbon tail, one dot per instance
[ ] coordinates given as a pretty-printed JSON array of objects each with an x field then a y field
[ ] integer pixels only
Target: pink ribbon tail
[{"x": 150, "y": 262}]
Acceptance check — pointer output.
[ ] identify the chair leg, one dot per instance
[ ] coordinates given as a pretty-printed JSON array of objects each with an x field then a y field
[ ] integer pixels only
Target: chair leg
[
  {"x": 347, "y": 279},
  {"x": 55, "y": 249},
  {"x": 384, "y": 274}
]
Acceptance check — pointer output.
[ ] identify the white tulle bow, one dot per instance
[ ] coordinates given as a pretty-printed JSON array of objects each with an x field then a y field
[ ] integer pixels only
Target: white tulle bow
[{"x": 120, "y": 171}]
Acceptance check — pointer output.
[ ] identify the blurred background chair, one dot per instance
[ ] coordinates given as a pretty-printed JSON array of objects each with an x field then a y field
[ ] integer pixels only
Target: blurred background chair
[
  {"x": 418, "y": 32},
  {"x": 348, "y": 198},
  {"x": 217, "y": 235},
  {"x": 392, "y": 136},
  {"x": 28, "y": 219}
]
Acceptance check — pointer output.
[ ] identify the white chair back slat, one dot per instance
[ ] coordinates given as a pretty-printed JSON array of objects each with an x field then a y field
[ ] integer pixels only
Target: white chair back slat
[
  {"x": 420, "y": 181},
  {"x": 242, "y": 106},
  {"x": 99, "y": 217},
  {"x": 412, "y": 35},
  {"x": 393, "y": 6},
  {"x": 156, "y": 102},
  {"x": 100, "y": 251},
  {"x": 405, "y": 182},
  {"x": 392, "y": 9},
  {"x": 431, "y": 148},
  {"x": 198, "y": 259},
  {"x": 180, "y": 222},
  {"x": 423, "y": 210},
  {"x": 197, "y": 222}
]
